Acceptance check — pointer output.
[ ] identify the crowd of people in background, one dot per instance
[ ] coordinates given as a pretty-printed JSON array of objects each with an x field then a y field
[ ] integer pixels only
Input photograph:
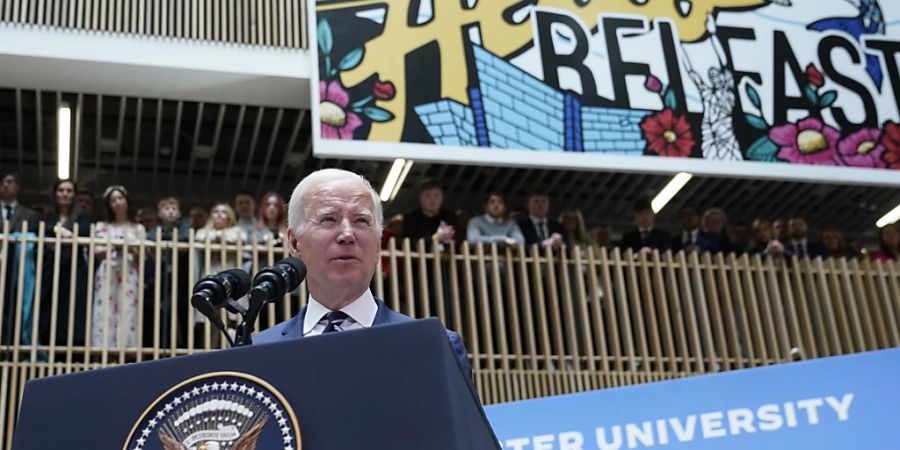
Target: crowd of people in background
[
  {"x": 262, "y": 219},
  {"x": 704, "y": 231}
]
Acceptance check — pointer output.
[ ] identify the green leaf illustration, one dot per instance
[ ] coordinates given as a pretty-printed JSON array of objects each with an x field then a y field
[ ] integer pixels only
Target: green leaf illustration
[
  {"x": 827, "y": 99},
  {"x": 811, "y": 94},
  {"x": 756, "y": 122},
  {"x": 669, "y": 99},
  {"x": 753, "y": 95},
  {"x": 376, "y": 114},
  {"x": 763, "y": 150},
  {"x": 351, "y": 59},
  {"x": 323, "y": 32}
]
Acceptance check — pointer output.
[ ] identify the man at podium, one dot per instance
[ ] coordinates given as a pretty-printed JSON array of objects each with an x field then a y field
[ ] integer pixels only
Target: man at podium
[{"x": 334, "y": 225}]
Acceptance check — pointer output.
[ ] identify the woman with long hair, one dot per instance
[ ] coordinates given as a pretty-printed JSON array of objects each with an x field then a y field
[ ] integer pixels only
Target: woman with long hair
[
  {"x": 573, "y": 222},
  {"x": 272, "y": 218},
  {"x": 221, "y": 229},
  {"x": 60, "y": 219},
  {"x": 115, "y": 307}
]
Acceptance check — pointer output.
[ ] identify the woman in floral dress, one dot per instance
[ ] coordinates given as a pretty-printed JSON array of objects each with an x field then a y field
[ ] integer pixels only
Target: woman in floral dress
[{"x": 116, "y": 278}]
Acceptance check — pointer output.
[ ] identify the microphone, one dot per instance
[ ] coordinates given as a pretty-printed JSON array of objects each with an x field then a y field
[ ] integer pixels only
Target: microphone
[
  {"x": 214, "y": 291},
  {"x": 269, "y": 284},
  {"x": 275, "y": 281}
]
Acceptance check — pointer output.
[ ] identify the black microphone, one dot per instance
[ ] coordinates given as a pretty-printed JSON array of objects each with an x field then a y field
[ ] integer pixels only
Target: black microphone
[
  {"x": 214, "y": 291},
  {"x": 279, "y": 279}
]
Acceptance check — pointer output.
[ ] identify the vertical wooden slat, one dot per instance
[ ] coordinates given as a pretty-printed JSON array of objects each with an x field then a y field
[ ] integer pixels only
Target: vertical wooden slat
[
  {"x": 766, "y": 312},
  {"x": 836, "y": 310},
  {"x": 886, "y": 295},
  {"x": 756, "y": 334}
]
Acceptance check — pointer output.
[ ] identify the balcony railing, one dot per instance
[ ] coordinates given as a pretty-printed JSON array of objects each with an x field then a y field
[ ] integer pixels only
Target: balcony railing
[
  {"x": 279, "y": 23},
  {"x": 536, "y": 322}
]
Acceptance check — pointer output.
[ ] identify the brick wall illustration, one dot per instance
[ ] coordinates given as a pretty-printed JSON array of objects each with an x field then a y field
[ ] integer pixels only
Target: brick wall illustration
[{"x": 510, "y": 108}]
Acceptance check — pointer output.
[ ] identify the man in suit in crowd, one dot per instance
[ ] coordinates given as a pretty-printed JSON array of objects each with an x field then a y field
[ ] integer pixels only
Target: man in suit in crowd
[
  {"x": 540, "y": 229},
  {"x": 690, "y": 230},
  {"x": 10, "y": 209},
  {"x": 798, "y": 244},
  {"x": 645, "y": 237},
  {"x": 335, "y": 221},
  {"x": 431, "y": 221}
]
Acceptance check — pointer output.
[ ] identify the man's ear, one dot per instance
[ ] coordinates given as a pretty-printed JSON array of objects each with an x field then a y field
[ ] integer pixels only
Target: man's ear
[{"x": 293, "y": 242}]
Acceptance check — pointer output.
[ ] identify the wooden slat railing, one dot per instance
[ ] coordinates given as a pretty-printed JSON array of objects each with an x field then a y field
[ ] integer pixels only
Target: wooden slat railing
[
  {"x": 279, "y": 23},
  {"x": 536, "y": 323}
]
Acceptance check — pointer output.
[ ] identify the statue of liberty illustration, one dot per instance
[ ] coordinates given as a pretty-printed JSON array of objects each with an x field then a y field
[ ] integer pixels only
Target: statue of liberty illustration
[{"x": 718, "y": 96}]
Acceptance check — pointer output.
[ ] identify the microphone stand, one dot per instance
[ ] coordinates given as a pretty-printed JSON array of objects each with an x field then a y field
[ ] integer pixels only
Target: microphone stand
[{"x": 244, "y": 329}]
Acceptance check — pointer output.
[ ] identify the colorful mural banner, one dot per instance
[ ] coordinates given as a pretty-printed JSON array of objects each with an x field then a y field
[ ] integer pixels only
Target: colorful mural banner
[
  {"x": 759, "y": 88},
  {"x": 831, "y": 403}
]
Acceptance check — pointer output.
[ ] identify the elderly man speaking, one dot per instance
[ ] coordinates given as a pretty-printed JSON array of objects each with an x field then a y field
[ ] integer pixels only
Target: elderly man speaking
[{"x": 334, "y": 226}]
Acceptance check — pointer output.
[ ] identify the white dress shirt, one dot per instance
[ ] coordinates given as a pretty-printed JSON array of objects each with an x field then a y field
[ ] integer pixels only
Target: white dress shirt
[{"x": 361, "y": 314}]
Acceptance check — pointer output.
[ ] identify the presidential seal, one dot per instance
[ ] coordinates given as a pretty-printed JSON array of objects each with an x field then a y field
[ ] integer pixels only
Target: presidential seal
[{"x": 217, "y": 411}]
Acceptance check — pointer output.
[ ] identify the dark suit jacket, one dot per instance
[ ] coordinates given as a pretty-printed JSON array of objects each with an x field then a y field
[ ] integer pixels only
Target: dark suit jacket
[
  {"x": 658, "y": 240},
  {"x": 813, "y": 249},
  {"x": 22, "y": 214},
  {"x": 293, "y": 329},
  {"x": 531, "y": 235}
]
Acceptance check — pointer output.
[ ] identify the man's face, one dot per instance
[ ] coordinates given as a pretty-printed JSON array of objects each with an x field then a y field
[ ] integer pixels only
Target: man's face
[
  {"x": 148, "y": 218},
  {"x": 169, "y": 213},
  {"x": 778, "y": 229},
  {"x": 797, "y": 227},
  {"x": 644, "y": 218},
  {"x": 762, "y": 232},
  {"x": 538, "y": 205},
  {"x": 245, "y": 206},
  {"x": 741, "y": 235},
  {"x": 85, "y": 203},
  {"x": 714, "y": 223},
  {"x": 831, "y": 239},
  {"x": 690, "y": 218},
  {"x": 431, "y": 200},
  {"x": 198, "y": 217},
  {"x": 9, "y": 189},
  {"x": 339, "y": 240},
  {"x": 495, "y": 207}
]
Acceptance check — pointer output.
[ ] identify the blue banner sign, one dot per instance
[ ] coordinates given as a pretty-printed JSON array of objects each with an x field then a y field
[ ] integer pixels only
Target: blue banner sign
[{"x": 832, "y": 403}]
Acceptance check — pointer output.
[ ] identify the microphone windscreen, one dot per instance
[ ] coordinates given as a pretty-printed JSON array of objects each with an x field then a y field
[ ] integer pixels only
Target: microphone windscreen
[
  {"x": 298, "y": 267},
  {"x": 241, "y": 281}
]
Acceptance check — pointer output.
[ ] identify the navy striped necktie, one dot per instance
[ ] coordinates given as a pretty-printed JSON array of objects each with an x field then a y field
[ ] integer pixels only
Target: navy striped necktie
[{"x": 335, "y": 321}]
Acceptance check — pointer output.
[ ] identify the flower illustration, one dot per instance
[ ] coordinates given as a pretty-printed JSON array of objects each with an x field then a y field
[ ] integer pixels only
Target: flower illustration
[
  {"x": 653, "y": 84},
  {"x": 668, "y": 134},
  {"x": 337, "y": 121},
  {"x": 808, "y": 142},
  {"x": 862, "y": 148},
  {"x": 814, "y": 76},
  {"x": 384, "y": 90},
  {"x": 890, "y": 139}
]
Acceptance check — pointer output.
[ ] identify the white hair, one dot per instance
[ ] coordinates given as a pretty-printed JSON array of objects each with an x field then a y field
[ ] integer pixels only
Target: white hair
[{"x": 297, "y": 209}]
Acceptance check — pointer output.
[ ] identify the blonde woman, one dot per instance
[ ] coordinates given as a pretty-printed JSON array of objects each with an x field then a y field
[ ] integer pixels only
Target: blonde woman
[
  {"x": 221, "y": 229},
  {"x": 573, "y": 222}
]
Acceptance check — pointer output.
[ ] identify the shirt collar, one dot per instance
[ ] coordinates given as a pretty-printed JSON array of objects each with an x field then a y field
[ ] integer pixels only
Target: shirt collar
[
  {"x": 493, "y": 220},
  {"x": 537, "y": 220},
  {"x": 12, "y": 204},
  {"x": 362, "y": 311}
]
